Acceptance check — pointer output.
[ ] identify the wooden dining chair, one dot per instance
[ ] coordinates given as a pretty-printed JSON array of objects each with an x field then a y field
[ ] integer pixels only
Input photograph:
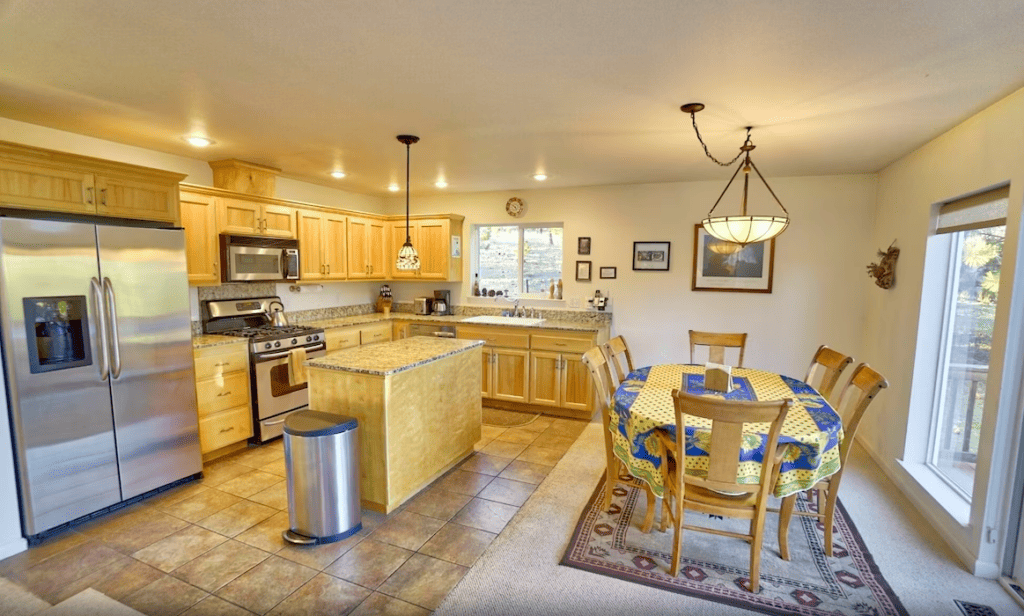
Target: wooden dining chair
[
  {"x": 858, "y": 393},
  {"x": 829, "y": 364},
  {"x": 595, "y": 361},
  {"x": 718, "y": 493},
  {"x": 717, "y": 343},
  {"x": 615, "y": 349}
]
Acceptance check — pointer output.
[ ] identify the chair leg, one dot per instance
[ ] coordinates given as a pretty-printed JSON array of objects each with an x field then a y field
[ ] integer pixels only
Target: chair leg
[
  {"x": 665, "y": 510},
  {"x": 677, "y": 536},
  {"x": 612, "y": 477},
  {"x": 755, "y": 553},
  {"x": 830, "y": 515},
  {"x": 652, "y": 503},
  {"x": 785, "y": 515}
]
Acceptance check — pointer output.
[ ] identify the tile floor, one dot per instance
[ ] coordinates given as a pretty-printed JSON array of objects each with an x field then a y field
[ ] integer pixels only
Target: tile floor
[{"x": 215, "y": 546}]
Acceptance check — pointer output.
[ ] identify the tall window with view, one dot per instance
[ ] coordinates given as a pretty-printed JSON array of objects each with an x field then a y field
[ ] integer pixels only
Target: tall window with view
[
  {"x": 976, "y": 228},
  {"x": 518, "y": 260}
]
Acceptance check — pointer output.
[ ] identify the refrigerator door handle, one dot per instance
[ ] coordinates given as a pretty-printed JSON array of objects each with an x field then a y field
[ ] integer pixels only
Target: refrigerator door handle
[
  {"x": 104, "y": 362},
  {"x": 115, "y": 342}
]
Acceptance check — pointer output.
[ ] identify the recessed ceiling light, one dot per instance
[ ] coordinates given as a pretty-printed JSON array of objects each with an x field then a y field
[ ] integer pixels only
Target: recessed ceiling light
[
  {"x": 337, "y": 174},
  {"x": 393, "y": 188},
  {"x": 540, "y": 177},
  {"x": 441, "y": 184},
  {"x": 199, "y": 141}
]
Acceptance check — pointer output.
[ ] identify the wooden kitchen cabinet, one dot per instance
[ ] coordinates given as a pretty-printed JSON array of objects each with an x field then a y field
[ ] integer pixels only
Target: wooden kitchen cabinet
[
  {"x": 338, "y": 338},
  {"x": 202, "y": 247},
  {"x": 375, "y": 332},
  {"x": 322, "y": 240},
  {"x": 222, "y": 395},
  {"x": 244, "y": 217},
  {"x": 40, "y": 179},
  {"x": 505, "y": 361},
  {"x": 432, "y": 239},
  {"x": 366, "y": 247},
  {"x": 559, "y": 379}
]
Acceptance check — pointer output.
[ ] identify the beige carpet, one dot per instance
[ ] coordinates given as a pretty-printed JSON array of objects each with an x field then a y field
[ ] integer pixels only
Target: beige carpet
[
  {"x": 520, "y": 574},
  {"x": 507, "y": 419}
]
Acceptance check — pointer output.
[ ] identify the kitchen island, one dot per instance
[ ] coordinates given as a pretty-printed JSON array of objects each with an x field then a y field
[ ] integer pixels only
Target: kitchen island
[{"x": 417, "y": 401}]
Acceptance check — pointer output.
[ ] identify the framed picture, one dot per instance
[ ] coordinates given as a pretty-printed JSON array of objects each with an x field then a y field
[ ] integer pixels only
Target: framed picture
[
  {"x": 608, "y": 272},
  {"x": 651, "y": 256},
  {"x": 583, "y": 271},
  {"x": 583, "y": 246},
  {"x": 723, "y": 266}
]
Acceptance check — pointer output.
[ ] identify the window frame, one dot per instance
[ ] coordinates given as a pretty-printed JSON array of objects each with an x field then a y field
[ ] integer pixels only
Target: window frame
[{"x": 521, "y": 226}]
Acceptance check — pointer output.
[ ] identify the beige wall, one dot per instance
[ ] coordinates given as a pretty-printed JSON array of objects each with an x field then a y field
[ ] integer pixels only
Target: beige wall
[
  {"x": 820, "y": 282},
  {"x": 985, "y": 150}
]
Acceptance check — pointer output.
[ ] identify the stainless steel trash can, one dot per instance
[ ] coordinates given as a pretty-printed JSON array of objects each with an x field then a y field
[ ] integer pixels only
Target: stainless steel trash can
[{"x": 321, "y": 452}]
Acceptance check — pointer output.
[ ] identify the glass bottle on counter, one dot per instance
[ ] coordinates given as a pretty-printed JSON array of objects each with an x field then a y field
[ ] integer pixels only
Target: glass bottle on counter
[{"x": 476, "y": 285}]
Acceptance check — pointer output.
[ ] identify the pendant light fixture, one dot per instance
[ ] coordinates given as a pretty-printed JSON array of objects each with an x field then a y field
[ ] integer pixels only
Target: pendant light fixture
[
  {"x": 745, "y": 228},
  {"x": 407, "y": 257}
]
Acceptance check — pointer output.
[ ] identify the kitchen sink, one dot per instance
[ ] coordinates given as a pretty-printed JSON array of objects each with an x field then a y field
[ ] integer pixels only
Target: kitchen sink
[{"x": 497, "y": 320}]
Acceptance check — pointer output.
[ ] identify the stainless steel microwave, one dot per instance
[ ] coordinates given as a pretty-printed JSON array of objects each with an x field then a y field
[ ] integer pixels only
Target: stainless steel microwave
[{"x": 247, "y": 259}]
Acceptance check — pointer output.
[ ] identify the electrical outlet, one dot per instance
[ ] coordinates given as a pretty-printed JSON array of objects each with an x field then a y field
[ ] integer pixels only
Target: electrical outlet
[{"x": 574, "y": 302}]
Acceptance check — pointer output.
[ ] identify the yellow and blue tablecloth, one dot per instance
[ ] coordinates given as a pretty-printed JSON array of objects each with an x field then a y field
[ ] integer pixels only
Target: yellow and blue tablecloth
[{"x": 643, "y": 404}]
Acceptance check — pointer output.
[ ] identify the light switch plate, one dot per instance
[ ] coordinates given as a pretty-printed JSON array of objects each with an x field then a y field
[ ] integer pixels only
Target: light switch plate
[{"x": 574, "y": 302}]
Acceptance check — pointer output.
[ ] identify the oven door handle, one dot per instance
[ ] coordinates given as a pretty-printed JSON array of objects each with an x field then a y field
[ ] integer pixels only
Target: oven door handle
[
  {"x": 313, "y": 349},
  {"x": 273, "y": 423}
]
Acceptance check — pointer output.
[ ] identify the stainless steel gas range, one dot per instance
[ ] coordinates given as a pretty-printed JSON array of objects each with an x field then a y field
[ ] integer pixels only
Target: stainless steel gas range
[{"x": 273, "y": 394}]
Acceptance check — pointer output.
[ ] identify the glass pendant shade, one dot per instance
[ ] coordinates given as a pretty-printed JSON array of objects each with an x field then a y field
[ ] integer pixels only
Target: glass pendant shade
[
  {"x": 407, "y": 257},
  {"x": 745, "y": 230}
]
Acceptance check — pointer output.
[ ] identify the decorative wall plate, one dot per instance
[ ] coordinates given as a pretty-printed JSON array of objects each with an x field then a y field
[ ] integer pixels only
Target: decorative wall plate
[{"x": 514, "y": 206}]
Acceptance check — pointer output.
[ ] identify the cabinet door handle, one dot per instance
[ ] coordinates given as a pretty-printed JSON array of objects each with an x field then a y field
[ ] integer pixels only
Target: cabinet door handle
[
  {"x": 224, "y": 393},
  {"x": 222, "y": 364},
  {"x": 223, "y": 430},
  {"x": 88, "y": 195},
  {"x": 328, "y": 269},
  {"x": 561, "y": 344},
  {"x": 103, "y": 196}
]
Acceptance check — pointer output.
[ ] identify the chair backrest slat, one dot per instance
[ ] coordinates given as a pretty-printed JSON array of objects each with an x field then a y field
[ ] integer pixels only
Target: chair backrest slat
[
  {"x": 595, "y": 361},
  {"x": 830, "y": 364},
  {"x": 717, "y": 343},
  {"x": 863, "y": 386},
  {"x": 728, "y": 418},
  {"x": 615, "y": 349}
]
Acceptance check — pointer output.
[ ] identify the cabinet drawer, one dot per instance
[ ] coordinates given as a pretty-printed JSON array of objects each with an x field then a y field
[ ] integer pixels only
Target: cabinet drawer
[
  {"x": 561, "y": 343},
  {"x": 222, "y": 392},
  {"x": 495, "y": 337},
  {"x": 224, "y": 428},
  {"x": 378, "y": 332},
  {"x": 341, "y": 338},
  {"x": 209, "y": 365}
]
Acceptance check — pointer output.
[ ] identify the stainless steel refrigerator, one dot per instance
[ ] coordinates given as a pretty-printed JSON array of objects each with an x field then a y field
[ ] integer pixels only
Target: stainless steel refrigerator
[{"x": 97, "y": 348}]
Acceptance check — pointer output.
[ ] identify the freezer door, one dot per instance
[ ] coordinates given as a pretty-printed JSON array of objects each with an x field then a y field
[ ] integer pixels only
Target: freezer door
[
  {"x": 60, "y": 399},
  {"x": 152, "y": 376}
]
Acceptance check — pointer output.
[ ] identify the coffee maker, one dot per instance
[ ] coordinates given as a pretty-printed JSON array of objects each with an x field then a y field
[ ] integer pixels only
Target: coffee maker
[{"x": 443, "y": 303}]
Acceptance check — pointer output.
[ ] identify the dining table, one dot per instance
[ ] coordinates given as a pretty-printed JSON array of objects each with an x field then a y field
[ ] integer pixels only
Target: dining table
[{"x": 643, "y": 405}]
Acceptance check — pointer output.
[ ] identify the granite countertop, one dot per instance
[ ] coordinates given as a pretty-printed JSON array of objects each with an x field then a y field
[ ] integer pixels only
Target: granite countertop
[
  {"x": 387, "y": 358},
  {"x": 204, "y": 341},
  {"x": 375, "y": 317}
]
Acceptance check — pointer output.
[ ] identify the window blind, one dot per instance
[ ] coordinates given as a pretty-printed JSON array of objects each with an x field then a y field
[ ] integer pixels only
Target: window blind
[{"x": 987, "y": 209}]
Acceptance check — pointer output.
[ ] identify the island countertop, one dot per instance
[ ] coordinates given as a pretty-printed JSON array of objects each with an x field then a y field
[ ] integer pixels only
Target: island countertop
[{"x": 388, "y": 358}]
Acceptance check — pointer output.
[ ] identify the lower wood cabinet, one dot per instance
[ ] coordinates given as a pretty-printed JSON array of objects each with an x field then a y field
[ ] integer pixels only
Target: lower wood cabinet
[
  {"x": 338, "y": 338},
  {"x": 222, "y": 395},
  {"x": 542, "y": 368}
]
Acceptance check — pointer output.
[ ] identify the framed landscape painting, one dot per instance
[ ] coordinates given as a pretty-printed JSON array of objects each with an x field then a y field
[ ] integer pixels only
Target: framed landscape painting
[{"x": 723, "y": 266}]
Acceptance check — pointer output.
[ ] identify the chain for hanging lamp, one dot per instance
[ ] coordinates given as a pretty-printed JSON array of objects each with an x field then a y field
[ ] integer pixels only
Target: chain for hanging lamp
[{"x": 743, "y": 229}]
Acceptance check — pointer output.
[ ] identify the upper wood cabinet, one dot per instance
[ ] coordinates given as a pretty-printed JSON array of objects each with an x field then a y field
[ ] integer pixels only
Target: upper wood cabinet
[
  {"x": 202, "y": 246},
  {"x": 322, "y": 242},
  {"x": 432, "y": 239},
  {"x": 243, "y": 217},
  {"x": 38, "y": 179},
  {"x": 366, "y": 247}
]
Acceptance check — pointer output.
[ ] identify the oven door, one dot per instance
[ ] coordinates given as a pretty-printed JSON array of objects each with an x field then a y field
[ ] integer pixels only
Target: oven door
[
  {"x": 274, "y": 393},
  {"x": 255, "y": 263}
]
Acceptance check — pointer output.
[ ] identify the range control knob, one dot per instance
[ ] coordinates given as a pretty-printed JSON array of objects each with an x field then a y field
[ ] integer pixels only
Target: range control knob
[
  {"x": 294, "y": 341},
  {"x": 309, "y": 338},
  {"x": 267, "y": 345},
  {"x": 277, "y": 344},
  {"x": 316, "y": 337}
]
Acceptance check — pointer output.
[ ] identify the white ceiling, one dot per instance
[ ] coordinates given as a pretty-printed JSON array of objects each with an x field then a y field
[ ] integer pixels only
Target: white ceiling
[{"x": 588, "y": 91}]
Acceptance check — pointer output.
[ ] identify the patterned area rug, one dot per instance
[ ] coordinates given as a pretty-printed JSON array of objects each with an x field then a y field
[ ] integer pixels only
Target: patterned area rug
[
  {"x": 507, "y": 419},
  {"x": 717, "y": 568}
]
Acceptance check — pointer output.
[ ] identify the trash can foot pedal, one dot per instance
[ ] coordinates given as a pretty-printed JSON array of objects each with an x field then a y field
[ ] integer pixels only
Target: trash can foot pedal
[{"x": 293, "y": 537}]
